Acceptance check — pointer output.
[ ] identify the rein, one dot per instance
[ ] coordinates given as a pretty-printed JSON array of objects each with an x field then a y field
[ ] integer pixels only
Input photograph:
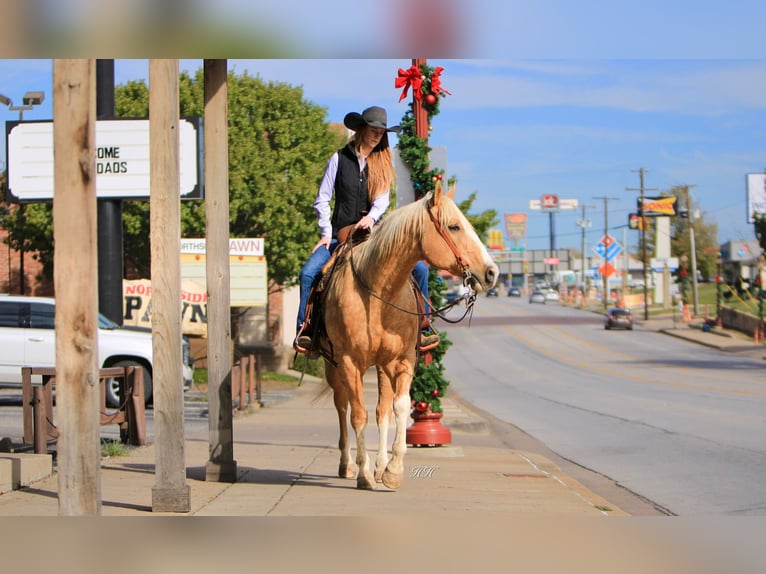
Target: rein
[{"x": 470, "y": 299}]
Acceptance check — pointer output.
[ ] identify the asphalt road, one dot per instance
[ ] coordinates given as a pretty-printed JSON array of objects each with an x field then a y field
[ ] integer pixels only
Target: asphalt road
[{"x": 679, "y": 424}]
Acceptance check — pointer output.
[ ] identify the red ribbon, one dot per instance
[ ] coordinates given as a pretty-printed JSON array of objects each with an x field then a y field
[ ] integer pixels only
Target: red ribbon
[
  {"x": 407, "y": 78},
  {"x": 436, "y": 83}
]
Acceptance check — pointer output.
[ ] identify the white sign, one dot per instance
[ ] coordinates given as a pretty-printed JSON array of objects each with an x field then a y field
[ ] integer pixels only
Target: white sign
[
  {"x": 537, "y": 204},
  {"x": 756, "y": 195},
  {"x": 237, "y": 246},
  {"x": 122, "y": 159},
  {"x": 659, "y": 263}
]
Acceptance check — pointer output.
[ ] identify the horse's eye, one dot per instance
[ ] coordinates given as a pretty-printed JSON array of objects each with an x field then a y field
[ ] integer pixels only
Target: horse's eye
[{"x": 454, "y": 227}]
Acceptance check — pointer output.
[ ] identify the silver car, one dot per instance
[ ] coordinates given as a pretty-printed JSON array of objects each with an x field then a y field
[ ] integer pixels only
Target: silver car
[{"x": 537, "y": 297}]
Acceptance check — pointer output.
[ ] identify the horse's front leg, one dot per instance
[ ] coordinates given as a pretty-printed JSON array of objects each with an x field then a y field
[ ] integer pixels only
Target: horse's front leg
[
  {"x": 383, "y": 419},
  {"x": 346, "y": 468},
  {"x": 394, "y": 473}
]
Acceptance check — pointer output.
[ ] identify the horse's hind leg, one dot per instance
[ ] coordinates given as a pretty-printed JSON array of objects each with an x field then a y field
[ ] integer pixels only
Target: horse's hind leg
[
  {"x": 383, "y": 418},
  {"x": 346, "y": 468},
  {"x": 355, "y": 387}
]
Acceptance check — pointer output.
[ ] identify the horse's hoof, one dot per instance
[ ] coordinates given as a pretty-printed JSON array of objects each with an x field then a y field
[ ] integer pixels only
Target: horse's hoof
[
  {"x": 347, "y": 470},
  {"x": 391, "y": 480},
  {"x": 378, "y": 476},
  {"x": 364, "y": 483}
]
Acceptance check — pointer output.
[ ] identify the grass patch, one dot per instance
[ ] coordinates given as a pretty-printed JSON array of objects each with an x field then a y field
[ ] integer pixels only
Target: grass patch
[{"x": 112, "y": 447}]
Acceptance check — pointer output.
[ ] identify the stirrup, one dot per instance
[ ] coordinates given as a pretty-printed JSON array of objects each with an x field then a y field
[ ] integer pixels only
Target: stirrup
[
  {"x": 305, "y": 345},
  {"x": 428, "y": 342}
]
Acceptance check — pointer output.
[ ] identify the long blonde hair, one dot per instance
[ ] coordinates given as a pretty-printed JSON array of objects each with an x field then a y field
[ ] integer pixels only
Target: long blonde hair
[{"x": 380, "y": 166}]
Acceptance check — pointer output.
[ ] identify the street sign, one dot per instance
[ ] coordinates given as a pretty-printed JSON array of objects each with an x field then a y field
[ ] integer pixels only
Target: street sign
[
  {"x": 608, "y": 248},
  {"x": 606, "y": 270}
]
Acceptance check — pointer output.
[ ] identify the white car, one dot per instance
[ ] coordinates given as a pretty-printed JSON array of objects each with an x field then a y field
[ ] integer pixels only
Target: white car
[
  {"x": 27, "y": 339},
  {"x": 551, "y": 295}
]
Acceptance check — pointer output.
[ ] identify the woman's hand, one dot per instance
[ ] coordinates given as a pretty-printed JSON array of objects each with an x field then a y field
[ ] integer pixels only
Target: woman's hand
[
  {"x": 365, "y": 223},
  {"x": 324, "y": 241}
]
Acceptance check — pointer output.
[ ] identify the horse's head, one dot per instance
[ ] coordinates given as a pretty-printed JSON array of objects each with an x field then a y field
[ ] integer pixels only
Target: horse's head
[{"x": 451, "y": 243}]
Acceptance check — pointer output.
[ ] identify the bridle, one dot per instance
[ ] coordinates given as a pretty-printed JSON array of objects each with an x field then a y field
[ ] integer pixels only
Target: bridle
[{"x": 467, "y": 275}]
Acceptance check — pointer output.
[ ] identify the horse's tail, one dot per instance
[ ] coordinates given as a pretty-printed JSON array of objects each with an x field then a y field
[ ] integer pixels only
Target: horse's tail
[{"x": 326, "y": 390}]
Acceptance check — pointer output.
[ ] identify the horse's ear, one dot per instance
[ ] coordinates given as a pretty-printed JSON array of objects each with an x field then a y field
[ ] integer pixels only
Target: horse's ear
[{"x": 438, "y": 192}]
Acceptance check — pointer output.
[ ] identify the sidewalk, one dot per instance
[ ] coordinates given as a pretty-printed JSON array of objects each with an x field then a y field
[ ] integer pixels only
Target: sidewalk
[
  {"x": 720, "y": 338},
  {"x": 287, "y": 463}
]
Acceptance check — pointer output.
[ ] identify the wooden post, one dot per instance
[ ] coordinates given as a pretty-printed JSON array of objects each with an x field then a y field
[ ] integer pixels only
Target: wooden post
[
  {"x": 170, "y": 492},
  {"x": 242, "y": 378},
  {"x": 258, "y": 381},
  {"x": 76, "y": 286},
  {"x": 221, "y": 466}
]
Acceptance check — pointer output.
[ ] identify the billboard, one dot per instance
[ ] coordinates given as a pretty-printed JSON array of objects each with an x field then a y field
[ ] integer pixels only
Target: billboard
[
  {"x": 756, "y": 194},
  {"x": 658, "y": 206},
  {"x": 515, "y": 225},
  {"x": 122, "y": 159}
]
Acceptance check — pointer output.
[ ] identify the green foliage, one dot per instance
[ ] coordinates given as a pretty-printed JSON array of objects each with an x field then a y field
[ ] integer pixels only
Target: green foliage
[
  {"x": 759, "y": 226},
  {"x": 429, "y": 383},
  {"x": 279, "y": 144},
  {"x": 705, "y": 237}
]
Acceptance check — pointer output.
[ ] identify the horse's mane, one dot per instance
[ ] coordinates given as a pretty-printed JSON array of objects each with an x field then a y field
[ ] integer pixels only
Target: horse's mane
[{"x": 399, "y": 230}]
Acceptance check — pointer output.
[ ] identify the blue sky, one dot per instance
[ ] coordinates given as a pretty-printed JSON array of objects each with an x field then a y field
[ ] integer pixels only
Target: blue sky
[{"x": 515, "y": 130}]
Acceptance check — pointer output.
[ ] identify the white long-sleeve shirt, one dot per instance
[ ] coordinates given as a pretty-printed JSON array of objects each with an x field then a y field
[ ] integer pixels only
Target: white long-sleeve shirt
[{"x": 325, "y": 193}]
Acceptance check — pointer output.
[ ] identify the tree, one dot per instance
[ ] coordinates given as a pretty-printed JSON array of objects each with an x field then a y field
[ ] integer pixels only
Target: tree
[
  {"x": 279, "y": 144},
  {"x": 705, "y": 236}
]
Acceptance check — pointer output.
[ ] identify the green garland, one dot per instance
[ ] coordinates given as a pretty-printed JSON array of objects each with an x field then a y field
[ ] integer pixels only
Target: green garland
[{"x": 428, "y": 383}]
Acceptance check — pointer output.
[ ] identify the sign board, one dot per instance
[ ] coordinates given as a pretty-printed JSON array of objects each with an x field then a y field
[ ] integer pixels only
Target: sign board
[
  {"x": 658, "y": 263},
  {"x": 756, "y": 195},
  {"x": 122, "y": 159},
  {"x": 658, "y": 206},
  {"x": 247, "y": 268},
  {"x": 137, "y": 305},
  {"x": 539, "y": 204},
  {"x": 608, "y": 248},
  {"x": 606, "y": 270},
  {"x": 515, "y": 225}
]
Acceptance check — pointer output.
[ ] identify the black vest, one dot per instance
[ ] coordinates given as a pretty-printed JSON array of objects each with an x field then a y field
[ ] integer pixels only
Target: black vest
[{"x": 351, "y": 195}]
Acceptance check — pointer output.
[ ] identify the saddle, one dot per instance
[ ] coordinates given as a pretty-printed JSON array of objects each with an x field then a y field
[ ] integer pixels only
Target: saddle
[{"x": 313, "y": 325}]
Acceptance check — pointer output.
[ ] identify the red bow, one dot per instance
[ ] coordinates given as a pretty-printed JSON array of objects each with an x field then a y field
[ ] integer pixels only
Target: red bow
[
  {"x": 407, "y": 78},
  {"x": 436, "y": 83}
]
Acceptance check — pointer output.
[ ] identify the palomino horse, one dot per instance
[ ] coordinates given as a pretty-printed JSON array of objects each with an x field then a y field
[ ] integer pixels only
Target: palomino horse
[{"x": 371, "y": 318}]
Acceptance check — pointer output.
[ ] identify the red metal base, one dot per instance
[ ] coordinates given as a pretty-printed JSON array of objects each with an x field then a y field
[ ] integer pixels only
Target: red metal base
[{"x": 427, "y": 430}]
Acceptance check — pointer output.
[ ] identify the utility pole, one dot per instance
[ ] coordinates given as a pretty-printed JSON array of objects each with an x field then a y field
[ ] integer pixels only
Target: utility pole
[
  {"x": 604, "y": 276},
  {"x": 583, "y": 223},
  {"x": 642, "y": 191},
  {"x": 693, "y": 248}
]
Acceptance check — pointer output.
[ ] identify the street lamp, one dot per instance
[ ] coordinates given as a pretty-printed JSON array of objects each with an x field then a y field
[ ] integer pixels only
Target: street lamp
[{"x": 29, "y": 101}]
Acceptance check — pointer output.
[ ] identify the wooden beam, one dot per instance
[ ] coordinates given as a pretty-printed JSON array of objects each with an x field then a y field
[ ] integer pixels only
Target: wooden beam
[
  {"x": 76, "y": 285},
  {"x": 221, "y": 466},
  {"x": 170, "y": 492}
]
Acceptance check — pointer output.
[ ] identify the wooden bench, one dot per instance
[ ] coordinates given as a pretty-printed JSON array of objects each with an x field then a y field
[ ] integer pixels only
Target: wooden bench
[{"x": 37, "y": 410}]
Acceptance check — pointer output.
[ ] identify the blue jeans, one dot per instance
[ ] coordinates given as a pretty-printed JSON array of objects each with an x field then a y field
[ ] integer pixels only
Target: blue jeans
[
  {"x": 420, "y": 272},
  {"x": 310, "y": 271}
]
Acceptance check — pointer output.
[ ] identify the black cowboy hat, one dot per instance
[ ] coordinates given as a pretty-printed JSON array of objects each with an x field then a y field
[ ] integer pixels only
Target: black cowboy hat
[{"x": 373, "y": 116}]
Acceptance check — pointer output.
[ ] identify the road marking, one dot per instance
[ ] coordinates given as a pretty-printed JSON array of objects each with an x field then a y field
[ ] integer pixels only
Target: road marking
[{"x": 611, "y": 372}]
